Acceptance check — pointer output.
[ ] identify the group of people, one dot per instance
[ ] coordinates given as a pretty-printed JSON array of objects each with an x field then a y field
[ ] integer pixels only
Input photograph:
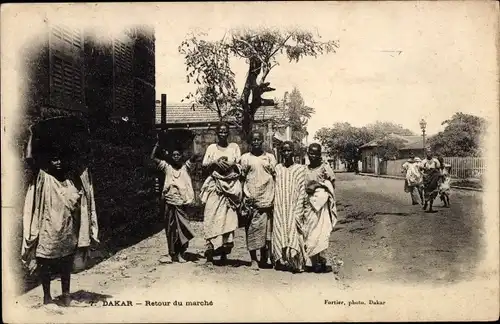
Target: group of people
[
  {"x": 427, "y": 179},
  {"x": 288, "y": 210}
]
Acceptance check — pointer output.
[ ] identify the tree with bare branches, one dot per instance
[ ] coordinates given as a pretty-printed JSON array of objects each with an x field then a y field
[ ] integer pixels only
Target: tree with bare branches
[{"x": 207, "y": 64}]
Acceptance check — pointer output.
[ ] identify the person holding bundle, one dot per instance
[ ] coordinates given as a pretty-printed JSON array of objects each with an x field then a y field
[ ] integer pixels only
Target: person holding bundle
[
  {"x": 321, "y": 209},
  {"x": 432, "y": 176},
  {"x": 413, "y": 179},
  {"x": 221, "y": 194}
]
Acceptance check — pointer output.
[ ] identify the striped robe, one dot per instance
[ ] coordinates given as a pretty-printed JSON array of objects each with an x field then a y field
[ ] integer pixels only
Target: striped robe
[{"x": 288, "y": 216}]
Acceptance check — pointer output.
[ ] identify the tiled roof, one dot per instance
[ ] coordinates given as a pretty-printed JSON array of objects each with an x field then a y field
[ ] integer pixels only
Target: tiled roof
[
  {"x": 185, "y": 114},
  {"x": 412, "y": 142}
]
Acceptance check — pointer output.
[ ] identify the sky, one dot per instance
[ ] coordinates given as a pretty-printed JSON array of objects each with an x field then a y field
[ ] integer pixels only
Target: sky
[{"x": 398, "y": 62}]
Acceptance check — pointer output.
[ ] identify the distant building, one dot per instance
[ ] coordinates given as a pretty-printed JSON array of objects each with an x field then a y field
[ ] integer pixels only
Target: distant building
[
  {"x": 196, "y": 129},
  {"x": 200, "y": 122},
  {"x": 371, "y": 162},
  {"x": 335, "y": 163},
  {"x": 74, "y": 72}
]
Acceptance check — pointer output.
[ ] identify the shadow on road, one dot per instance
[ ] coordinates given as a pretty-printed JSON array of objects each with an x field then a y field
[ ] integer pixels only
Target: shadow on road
[
  {"x": 127, "y": 237},
  {"x": 193, "y": 257},
  {"x": 232, "y": 263},
  {"x": 83, "y": 296}
]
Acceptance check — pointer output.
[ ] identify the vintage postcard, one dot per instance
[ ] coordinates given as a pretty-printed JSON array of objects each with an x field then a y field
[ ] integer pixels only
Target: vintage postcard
[{"x": 250, "y": 162}]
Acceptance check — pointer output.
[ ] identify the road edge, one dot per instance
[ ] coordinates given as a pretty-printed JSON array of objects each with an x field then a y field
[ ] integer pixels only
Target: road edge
[{"x": 401, "y": 178}]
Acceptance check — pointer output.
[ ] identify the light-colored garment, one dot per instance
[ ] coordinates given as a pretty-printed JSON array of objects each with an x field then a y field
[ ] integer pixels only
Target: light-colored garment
[
  {"x": 258, "y": 230},
  {"x": 321, "y": 211},
  {"x": 232, "y": 152},
  {"x": 413, "y": 179},
  {"x": 288, "y": 216},
  {"x": 178, "y": 187},
  {"x": 55, "y": 223},
  {"x": 320, "y": 174},
  {"x": 88, "y": 218},
  {"x": 445, "y": 185},
  {"x": 412, "y": 173},
  {"x": 258, "y": 172},
  {"x": 429, "y": 164},
  {"x": 221, "y": 195}
]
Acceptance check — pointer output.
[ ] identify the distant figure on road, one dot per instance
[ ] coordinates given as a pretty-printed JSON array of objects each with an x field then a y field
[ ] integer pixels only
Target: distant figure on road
[
  {"x": 221, "y": 193},
  {"x": 444, "y": 187},
  {"x": 288, "y": 250},
  {"x": 321, "y": 209},
  {"x": 413, "y": 179},
  {"x": 177, "y": 194},
  {"x": 258, "y": 172},
  {"x": 432, "y": 177}
]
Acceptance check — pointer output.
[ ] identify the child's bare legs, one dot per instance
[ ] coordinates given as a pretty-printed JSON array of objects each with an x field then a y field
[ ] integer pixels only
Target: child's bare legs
[
  {"x": 446, "y": 198},
  {"x": 255, "y": 262},
  {"x": 209, "y": 253},
  {"x": 44, "y": 268},
  {"x": 179, "y": 255},
  {"x": 66, "y": 266},
  {"x": 264, "y": 255},
  {"x": 431, "y": 199}
]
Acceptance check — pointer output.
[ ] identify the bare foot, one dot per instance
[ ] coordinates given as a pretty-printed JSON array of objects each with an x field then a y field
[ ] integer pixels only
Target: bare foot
[
  {"x": 66, "y": 300},
  {"x": 180, "y": 259},
  {"x": 165, "y": 259},
  {"x": 254, "y": 266},
  {"x": 265, "y": 265},
  {"x": 47, "y": 300},
  {"x": 223, "y": 258}
]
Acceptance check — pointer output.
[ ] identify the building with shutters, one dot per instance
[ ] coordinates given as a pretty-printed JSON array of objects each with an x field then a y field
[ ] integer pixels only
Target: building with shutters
[{"x": 105, "y": 78}]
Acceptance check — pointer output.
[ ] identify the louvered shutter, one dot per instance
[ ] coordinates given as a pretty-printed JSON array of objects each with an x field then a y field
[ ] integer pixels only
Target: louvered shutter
[
  {"x": 66, "y": 68},
  {"x": 124, "y": 86}
]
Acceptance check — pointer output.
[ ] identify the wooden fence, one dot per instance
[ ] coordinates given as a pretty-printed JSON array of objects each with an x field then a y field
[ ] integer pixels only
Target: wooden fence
[
  {"x": 466, "y": 167},
  {"x": 461, "y": 167}
]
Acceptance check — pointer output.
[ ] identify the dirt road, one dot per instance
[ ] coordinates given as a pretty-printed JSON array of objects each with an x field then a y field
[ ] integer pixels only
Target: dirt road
[{"x": 380, "y": 237}]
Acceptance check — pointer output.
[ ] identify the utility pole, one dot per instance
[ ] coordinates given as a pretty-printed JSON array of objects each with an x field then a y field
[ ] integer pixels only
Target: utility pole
[{"x": 163, "y": 109}]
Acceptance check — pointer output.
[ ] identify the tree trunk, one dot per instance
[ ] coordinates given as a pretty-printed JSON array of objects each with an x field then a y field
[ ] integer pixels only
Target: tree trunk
[{"x": 251, "y": 87}]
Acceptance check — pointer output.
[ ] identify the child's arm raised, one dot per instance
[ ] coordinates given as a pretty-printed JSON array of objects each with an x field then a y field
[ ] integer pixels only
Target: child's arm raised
[{"x": 159, "y": 163}]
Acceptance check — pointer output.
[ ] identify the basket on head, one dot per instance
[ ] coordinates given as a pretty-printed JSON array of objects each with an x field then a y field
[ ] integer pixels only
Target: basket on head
[
  {"x": 178, "y": 139},
  {"x": 66, "y": 137}
]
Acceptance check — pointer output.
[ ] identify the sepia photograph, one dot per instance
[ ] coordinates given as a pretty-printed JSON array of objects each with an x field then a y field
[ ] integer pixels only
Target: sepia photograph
[{"x": 329, "y": 161}]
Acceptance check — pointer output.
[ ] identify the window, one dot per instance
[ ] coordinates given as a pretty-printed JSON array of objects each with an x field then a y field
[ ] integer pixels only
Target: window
[
  {"x": 124, "y": 86},
  {"x": 66, "y": 68}
]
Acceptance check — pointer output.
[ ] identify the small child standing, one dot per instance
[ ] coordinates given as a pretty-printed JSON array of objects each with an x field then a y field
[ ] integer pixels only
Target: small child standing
[
  {"x": 177, "y": 194},
  {"x": 444, "y": 186},
  {"x": 59, "y": 216}
]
